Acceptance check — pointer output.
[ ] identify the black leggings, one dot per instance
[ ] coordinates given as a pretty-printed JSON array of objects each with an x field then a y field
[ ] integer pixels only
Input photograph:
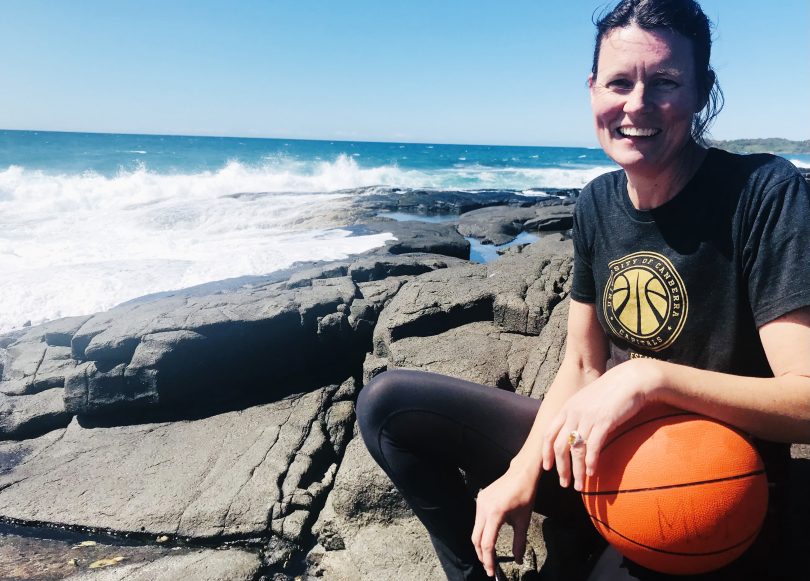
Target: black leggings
[{"x": 422, "y": 427}]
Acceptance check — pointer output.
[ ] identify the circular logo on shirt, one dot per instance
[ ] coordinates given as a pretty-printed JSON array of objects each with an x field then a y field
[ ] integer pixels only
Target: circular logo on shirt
[{"x": 645, "y": 301}]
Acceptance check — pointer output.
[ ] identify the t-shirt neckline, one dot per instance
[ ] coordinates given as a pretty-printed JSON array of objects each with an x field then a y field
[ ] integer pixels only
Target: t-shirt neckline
[{"x": 681, "y": 198}]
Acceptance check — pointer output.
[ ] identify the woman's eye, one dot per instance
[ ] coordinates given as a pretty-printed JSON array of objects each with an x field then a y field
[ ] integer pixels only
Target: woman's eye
[
  {"x": 665, "y": 83},
  {"x": 620, "y": 85}
]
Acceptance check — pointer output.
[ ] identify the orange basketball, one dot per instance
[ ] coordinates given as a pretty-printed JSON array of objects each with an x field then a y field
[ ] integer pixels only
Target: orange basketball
[{"x": 677, "y": 492}]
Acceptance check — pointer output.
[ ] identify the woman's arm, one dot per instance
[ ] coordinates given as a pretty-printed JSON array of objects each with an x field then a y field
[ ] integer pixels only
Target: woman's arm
[
  {"x": 776, "y": 408},
  {"x": 510, "y": 499}
]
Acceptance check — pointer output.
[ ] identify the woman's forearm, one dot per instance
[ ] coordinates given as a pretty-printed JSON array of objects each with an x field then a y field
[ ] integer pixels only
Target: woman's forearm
[{"x": 774, "y": 408}]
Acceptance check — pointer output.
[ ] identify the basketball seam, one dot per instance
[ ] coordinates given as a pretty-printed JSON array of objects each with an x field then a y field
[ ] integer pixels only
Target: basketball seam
[
  {"x": 682, "y": 485},
  {"x": 707, "y": 554},
  {"x": 655, "y": 419}
]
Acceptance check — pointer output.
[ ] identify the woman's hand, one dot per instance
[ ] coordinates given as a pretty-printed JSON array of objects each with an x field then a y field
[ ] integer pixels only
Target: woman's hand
[
  {"x": 595, "y": 411},
  {"x": 510, "y": 499}
]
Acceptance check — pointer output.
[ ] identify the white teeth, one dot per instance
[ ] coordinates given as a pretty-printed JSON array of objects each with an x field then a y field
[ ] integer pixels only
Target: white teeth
[{"x": 637, "y": 132}]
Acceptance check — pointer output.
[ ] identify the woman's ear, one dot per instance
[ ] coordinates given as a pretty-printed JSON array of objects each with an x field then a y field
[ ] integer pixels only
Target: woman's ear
[{"x": 591, "y": 80}]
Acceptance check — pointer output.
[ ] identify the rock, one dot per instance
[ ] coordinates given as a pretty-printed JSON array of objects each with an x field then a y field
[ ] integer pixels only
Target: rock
[
  {"x": 546, "y": 354},
  {"x": 32, "y": 366},
  {"x": 381, "y": 268},
  {"x": 28, "y": 416},
  {"x": 164, "y": 353},
  {"x": 375, "y": 200},
  {"x": 551, "y": 218},
  {"x": 494, "y": 225},
  {"x": 56, "y": 333},
  {"x": 260, "y": 471},
  {"x": 200, "y": 565},
  {"x": 366, "y": 530},
  {"x": 501, "y": 224},
  {"x": 516, "y": 292},
  {"x": 477, "y": 352},
  {"x": 416, "y": 236}
]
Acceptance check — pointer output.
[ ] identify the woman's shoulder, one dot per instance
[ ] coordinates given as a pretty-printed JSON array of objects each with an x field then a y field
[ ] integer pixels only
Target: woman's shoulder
[
  {"x": 759, "y": 170},
  {"x": 601, "y": 187}
]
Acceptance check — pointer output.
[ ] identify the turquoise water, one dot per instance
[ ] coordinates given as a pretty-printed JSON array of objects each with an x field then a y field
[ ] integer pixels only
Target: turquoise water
[{"x": 111, "y": 154}]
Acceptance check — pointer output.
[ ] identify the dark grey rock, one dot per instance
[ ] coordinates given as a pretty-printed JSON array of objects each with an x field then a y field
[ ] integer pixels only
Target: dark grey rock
[
  {"x": 28, "y": 416},
  {"x": 32, "y": 366},
  {"x": 425, "y": 237},
  {"x": 501, "y": 224},
  {"x": 546, "y": 355},
  {"x": 496, "y": 224},
  {"x": 477, "y": 352},
  {"x": 366, "y": 530},
  {"x": 516, "y": 292},
  {"x": 255, "y": 472},
  {"x": 210, "y": 349},
  {"x": 551, "y": 218},
  {"x": 374, "y": 200}
]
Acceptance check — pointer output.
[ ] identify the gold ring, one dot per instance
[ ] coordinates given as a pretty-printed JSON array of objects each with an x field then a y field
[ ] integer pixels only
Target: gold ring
[{"x": 575, "y": 439}]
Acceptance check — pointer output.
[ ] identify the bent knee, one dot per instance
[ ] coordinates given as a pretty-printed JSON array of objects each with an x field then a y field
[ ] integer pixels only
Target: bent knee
[{"x": 382, "y": 396}]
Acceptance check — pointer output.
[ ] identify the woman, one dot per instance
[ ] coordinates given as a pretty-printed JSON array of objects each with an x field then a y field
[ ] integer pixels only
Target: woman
[{"x": 686, "y": 292}]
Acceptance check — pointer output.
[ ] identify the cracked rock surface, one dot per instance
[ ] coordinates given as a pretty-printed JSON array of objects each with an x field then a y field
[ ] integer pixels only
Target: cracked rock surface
[{"x": 235, "y": 474}]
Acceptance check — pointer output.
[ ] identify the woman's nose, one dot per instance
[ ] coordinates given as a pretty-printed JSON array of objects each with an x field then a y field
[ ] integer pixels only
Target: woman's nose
[{"x": 638, "y": 100}]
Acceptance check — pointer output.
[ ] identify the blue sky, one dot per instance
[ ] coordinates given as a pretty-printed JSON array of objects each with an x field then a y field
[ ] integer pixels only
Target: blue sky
[{"x": 442, "y": 71}]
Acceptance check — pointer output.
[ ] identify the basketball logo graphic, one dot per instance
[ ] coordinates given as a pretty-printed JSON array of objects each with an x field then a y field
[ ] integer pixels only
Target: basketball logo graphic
[{"x": 645, "y": 301}]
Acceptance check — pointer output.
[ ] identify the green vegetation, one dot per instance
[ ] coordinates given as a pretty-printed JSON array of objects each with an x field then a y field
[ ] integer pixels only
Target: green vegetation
[{"x": 770, "y": 145}]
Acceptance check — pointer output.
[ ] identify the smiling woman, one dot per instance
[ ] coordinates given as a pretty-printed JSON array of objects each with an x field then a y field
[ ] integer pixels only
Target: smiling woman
[{"x": 684, "y": 293}]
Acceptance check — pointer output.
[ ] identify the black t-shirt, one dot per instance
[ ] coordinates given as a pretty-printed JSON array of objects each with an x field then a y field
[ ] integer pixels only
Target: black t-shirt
[{"x": 691, "y": 281}]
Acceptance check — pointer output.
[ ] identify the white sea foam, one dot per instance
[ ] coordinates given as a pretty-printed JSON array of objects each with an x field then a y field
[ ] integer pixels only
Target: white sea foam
[
  {"x": 800, "y": 163},
  {"x": 74, "y": 244}
]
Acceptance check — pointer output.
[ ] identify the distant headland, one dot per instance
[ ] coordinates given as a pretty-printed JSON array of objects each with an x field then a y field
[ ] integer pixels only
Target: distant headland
[{"x": 768, "y": 145}]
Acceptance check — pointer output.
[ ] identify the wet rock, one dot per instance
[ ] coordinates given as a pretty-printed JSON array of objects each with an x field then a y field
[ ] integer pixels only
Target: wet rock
[
  {"x": 421, "y": 237},
  {"x": 434, "y": 202},
  {"x": 501, "y": 224},
  {"x": 551, "y": 218},
  {"x": 200, "y": 565}
]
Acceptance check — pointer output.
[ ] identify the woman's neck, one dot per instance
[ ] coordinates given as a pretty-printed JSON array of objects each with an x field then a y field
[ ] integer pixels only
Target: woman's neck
[{"x": 648, "y": 190}]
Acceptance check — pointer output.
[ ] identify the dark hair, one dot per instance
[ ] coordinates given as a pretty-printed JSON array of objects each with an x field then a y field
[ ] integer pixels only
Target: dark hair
[{"x": 687, "y": 19}]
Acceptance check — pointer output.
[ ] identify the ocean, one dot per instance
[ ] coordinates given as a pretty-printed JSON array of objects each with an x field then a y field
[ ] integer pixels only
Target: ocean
[{"x": 88, "y": 220}]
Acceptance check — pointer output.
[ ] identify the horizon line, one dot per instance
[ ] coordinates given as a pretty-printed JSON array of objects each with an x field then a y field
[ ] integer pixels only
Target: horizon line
[{"x": 343, "y": 140}]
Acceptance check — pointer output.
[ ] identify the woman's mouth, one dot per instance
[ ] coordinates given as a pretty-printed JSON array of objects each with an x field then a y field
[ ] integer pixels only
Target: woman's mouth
[{"x": 637, "y": 131}]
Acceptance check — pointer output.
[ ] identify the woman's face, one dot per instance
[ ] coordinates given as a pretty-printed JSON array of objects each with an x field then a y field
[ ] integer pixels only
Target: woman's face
[{"x": 644, "y": 97}]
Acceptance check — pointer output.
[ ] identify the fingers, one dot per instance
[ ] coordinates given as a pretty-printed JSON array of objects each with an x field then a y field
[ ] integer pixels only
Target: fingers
[
  {"x": 484, "y": 535},
  {"x": 519, "y": 531},
  {"x": 596, "y": 440},
  {"x": 562, "y": 457},
  {"x": 550, "y": 439},
  {"x": 578, "y": 465},
  {"x": 488, "y": 538},
  {"x": 478, "y": 528}
]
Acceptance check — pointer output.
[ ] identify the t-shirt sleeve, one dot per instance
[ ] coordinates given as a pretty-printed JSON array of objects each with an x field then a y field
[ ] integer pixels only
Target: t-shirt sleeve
[
  {"x": 775, "y": 254},
  {"x": 583, "y": 288}
]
